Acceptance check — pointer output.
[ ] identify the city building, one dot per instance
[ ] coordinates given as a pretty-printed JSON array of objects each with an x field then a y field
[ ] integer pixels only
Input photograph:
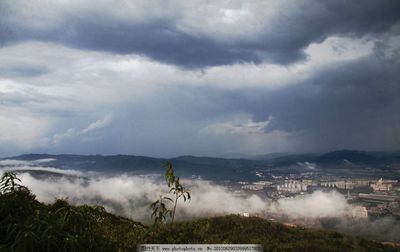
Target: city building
[
  {"x": 359, "y": 212},
  {"x": 345, "y": 184},
  {"x": 382, "y": 186},
  {"x": 292, "y": 186},
  {"x": 253, "y": 187}
]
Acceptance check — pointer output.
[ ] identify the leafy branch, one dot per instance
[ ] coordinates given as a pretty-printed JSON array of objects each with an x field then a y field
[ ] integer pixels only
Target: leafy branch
[
  {"x": 175, "y": 187},
  {"x": 9, "y": 183},
  {"x": 160, "y": 211},
  {"x": 159, "y": 208}
]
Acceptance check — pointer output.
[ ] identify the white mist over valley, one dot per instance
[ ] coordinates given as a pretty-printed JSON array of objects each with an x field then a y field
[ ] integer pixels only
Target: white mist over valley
[{"x": 130, "y": 195}]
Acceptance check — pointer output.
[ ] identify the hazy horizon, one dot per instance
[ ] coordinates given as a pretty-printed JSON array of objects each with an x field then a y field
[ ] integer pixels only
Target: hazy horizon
[{"x": 225, "y": 156}]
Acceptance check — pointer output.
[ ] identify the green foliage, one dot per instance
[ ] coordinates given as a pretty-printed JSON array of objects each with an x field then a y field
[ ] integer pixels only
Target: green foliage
[
  {"x": 159, "y": 210},
  {"x": 27, "y": 225},
  {"x": 175, "y": 187},
  {"x": 234, "y": 229},
  {"x": 8, "y": 183}
]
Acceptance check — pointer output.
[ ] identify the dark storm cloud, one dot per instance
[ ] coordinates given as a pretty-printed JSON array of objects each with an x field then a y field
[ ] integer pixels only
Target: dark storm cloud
[
  {"x": 159, "y": 41},
  {"x": 353, "y": 90},
  {"x": 281, "y": 41},
  {"x": 354, "y": 105}
]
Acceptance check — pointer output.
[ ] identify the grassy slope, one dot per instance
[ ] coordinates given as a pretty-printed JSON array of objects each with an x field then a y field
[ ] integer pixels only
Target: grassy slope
[{"x": 28, "y": 225}]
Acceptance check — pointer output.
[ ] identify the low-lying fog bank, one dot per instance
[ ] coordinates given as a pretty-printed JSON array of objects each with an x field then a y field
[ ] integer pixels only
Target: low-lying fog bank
[{"x": 130, "y": 196}]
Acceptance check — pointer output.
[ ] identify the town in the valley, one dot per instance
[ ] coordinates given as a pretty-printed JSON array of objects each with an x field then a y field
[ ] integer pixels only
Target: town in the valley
[{"x": 374, "y": 197}]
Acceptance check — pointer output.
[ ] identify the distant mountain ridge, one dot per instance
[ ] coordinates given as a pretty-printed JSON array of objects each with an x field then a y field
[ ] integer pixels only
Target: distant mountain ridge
[{"x": 216, "y": 168}]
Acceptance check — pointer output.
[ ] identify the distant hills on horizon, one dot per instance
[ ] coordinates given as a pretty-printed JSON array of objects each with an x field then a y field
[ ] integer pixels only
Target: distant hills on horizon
[
  {"x": 217, "y": 168},
  {"x": 345, "y": 153}
]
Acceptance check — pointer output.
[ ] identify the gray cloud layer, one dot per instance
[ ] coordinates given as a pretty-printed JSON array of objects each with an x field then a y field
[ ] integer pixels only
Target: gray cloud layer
[
  {"x": 172, "y": 78},
  {"x": 169, "y": 35}
]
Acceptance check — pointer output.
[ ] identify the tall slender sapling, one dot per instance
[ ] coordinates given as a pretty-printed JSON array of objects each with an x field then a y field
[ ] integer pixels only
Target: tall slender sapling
[
  {"x": 159, "y": 207},
  {"x": 175, "y": 187}
]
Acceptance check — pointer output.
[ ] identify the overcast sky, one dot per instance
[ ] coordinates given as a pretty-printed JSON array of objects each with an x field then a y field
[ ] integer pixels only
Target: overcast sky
[{"x": 167, "y": 78}]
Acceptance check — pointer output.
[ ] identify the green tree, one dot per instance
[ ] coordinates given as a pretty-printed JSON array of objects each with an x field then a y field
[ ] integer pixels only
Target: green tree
[
  {"x": 175, "y": 187},
  {"x": 159, "y": 207},
  {"x": 9, "y": 183},
  {"x": 160, "y": 210}
]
